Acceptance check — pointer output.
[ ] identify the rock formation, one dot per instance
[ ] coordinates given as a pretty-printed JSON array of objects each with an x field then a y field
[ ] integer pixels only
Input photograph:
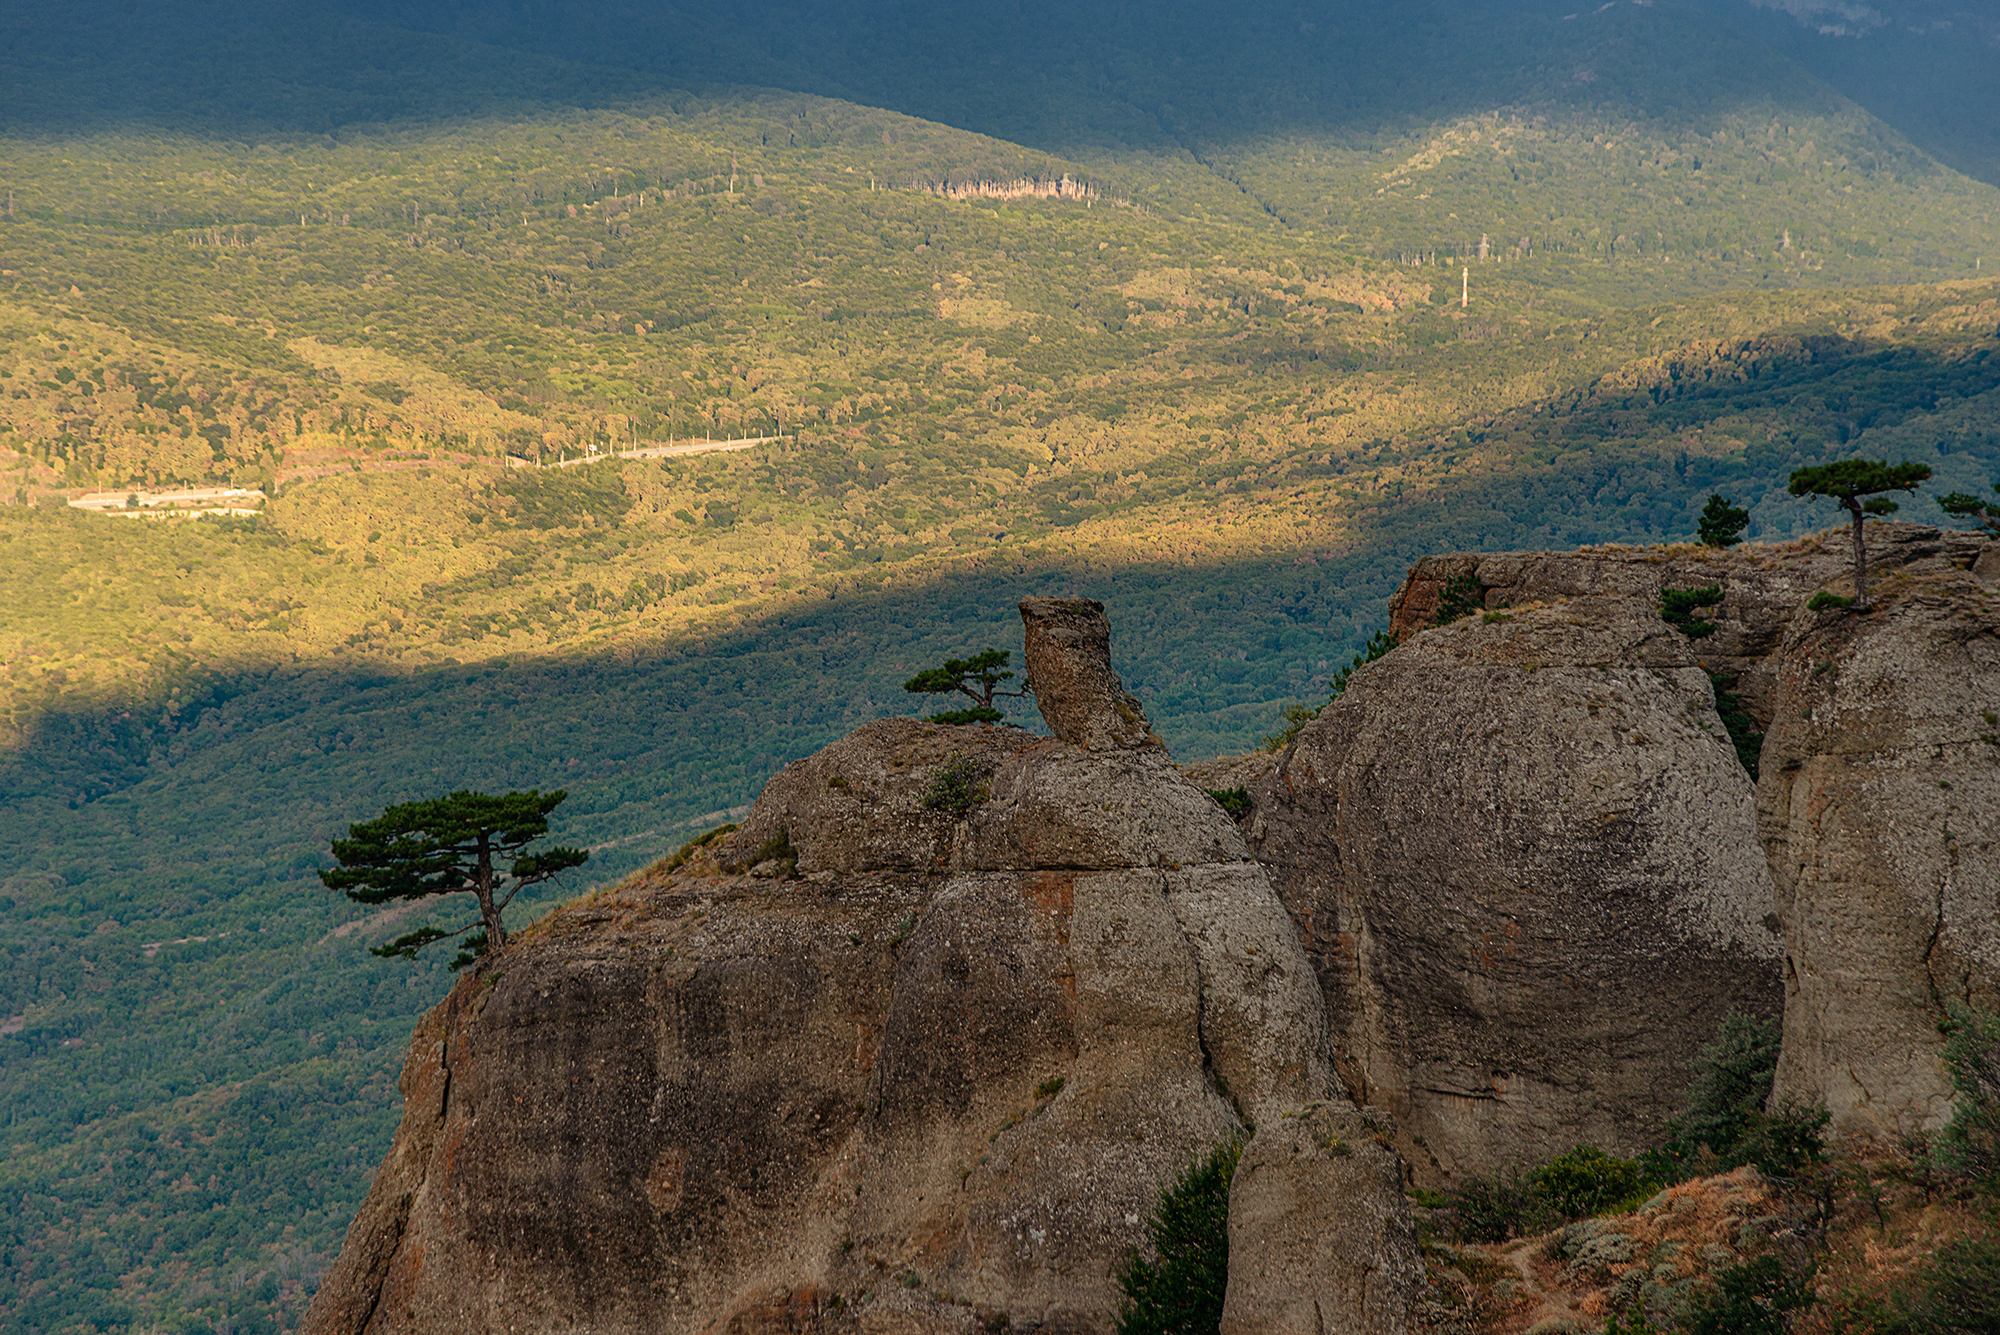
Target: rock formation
[
  {"x": 915, "y": 1049},
  {"x": 879, "y": 1064},
  {"x": 1761, "y": 586},
  {"x": 1881, "y": 875},
  {"x": 1523, "y": 855},
  {"x": 1879, "y": 806}
]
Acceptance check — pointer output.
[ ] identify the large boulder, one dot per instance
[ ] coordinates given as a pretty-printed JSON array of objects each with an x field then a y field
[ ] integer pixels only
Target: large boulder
[
  {"x": 1523, "y": 854},
  {"x": 1879, "y": 806},
  {"x": 880, "y": 1062}
]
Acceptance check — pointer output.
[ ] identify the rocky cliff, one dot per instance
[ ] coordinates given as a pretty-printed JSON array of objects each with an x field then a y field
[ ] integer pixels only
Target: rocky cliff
[
  {"x": 894, "y": 1057},
  {"x": 1532, "y": 877},
  {"x": 1523, "y": 856},
  {"x": 915, "y": 1049},
  {"x": 1879, "y": 809}
]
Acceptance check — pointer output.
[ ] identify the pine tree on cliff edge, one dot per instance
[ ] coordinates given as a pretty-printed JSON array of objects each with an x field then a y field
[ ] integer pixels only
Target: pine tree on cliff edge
[
  {"x": 452, "y": 845},
  {"x": 1722, "y": 524},
  {"x": 1848, "y": 482}
]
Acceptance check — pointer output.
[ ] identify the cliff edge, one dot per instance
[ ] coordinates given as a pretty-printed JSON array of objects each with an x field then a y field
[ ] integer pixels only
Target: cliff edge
[{"x": 900, "y": 1055}]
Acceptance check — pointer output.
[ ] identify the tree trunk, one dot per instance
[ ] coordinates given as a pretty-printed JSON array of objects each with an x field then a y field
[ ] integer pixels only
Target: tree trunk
[
  {"x": 496, "y": 931},
  {"x": 1860, "y": 557}
]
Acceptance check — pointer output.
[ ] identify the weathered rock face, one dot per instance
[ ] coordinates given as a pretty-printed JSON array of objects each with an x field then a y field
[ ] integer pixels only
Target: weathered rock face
[
  {"x": 926, "y": 1071},
  {"x": 1875, "y": 798},
  {"x": 1879, "y": 806},
  {"x": 1523, "y": 854},
  {"x": 1067, "y": 647},
  {"x": 1761, "y": 585}
]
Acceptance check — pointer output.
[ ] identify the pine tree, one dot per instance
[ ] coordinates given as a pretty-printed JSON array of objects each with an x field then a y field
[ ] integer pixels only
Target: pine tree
[
  {"x": 978, "y": 678},
  {"x": 451, "y": 845},
  {"x": 1722, "y": 524},
  {"x": 1181, "y": 1292},
  {"x": 1848, "y": 482},
  {"x": 1967, "y": 506}
]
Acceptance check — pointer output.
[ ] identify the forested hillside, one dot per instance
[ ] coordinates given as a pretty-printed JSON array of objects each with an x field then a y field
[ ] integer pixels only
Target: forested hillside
[{"x": 1210, "y": 335}]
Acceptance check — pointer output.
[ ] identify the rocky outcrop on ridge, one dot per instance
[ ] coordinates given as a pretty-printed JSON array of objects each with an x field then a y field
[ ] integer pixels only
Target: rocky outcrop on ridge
[
  {"x": 1455, "y": 768},
  {"x": 1879, "y": 806},
  {"x": 875, "y": 1064},
  {"x": 914, "y": 1050},
  {"x": 1762, "y": 586},
  {"x": 1523, "y": 855}
]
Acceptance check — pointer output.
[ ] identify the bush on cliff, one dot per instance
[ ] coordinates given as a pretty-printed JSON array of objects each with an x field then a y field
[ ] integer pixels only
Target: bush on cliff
[
  {"x": 1957, "y": 1293},
  {"x": 956, "y": 786},
  {"x": 1579, "y": 1184},
  {"x": 1181, "y": 1291},
  {"x": 1969, "y": 1145},
  {"x": 1754, "y": 1298},
  {"x": 1726, "y": 1113}
]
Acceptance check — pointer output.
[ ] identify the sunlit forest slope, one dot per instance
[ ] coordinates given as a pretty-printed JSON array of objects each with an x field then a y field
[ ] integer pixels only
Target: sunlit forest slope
[{"x": 1221, "y": 317}]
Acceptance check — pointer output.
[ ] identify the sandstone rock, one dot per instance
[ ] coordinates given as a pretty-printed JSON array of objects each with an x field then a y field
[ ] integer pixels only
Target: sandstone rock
[
  {"x": 1879, "y": 806},
  {"x": 1987, "y": 566},
  {"x": 1228, "y": 772},
  {"x": 1523, "y": 856},
  {"x": 937, "y": 1080}
]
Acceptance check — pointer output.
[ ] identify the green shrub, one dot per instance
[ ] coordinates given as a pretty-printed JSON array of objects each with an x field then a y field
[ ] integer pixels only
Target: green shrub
[
  {"x": 1732, "y": 1083},
  {"x": 1462, "y": 596},
  {"x": 1507, "y": 1204},
  {"x": 1678, "y": 608},
  {"x": 1726, "y": 1109},
  {"x": 1511, "y": 1203},
  {"x": 688, "y": 849},
  {"x": 1957, "y": 1293},
  {"x": 1722, "y": 523},
  {"x": 1969, "y": 1145},
  {"x": 955, "y": 786},
  {"x": 1785, "y": 1143},
  {"x": 1235, "y": 801},
  {"x": 1824, "y": 601},
  {"x": 1750, "y": 1299},
  {"x": 1181, "y": 1291},
  {"x": 1587, "y": 1182},
  {"x": 778, "y": 846},
  {"x": 1297, "y": 716},
  {"x": 1742, "y": 729}
]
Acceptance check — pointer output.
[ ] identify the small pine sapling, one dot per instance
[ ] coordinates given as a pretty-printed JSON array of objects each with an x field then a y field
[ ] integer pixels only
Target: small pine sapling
[
  {"x": 1461, "y": 596},
  {"x": 1297, "y": 716},
  {"x": 1678, "y": 608},
  {"x": 1181, "y": 1291},
  {"x": 1722, "y": 524}
]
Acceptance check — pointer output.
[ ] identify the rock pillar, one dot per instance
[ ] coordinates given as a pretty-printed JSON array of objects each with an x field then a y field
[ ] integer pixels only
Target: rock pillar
[{"x": 1069, "y": 669}]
